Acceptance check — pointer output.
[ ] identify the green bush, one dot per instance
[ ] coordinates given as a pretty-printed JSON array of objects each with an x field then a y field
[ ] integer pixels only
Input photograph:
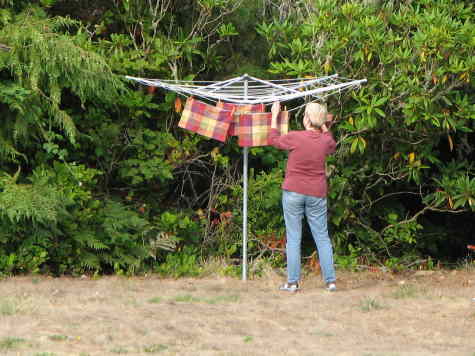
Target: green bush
[
  {"x": 106, "y": 182},
  {"x": 54, "y": 224},
  {"x": 183, "y": 263},
  {"x": 400, "y": 134}
]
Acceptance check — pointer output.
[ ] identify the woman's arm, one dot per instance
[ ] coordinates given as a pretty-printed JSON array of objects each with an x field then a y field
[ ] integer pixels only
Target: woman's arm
[
  {"x": 325, "y": 130},
  {"x": 275, "y": 113},
  {"x": 284, "y": 142}
]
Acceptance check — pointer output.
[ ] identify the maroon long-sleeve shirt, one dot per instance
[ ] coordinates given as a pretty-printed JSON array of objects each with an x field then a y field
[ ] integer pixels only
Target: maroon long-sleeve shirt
[{"x": 305, "y": 173}]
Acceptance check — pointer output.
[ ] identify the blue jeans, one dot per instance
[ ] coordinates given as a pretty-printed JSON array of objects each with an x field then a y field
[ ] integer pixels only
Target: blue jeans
[{"x": 315, "y": 209}]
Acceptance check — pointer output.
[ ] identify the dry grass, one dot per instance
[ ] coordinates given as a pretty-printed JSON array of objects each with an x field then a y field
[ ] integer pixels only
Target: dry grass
[{"x": 370, "y": 314}]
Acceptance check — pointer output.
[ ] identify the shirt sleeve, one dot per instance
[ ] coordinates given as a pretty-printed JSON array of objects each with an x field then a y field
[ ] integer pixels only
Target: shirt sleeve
[
  {"x": 284, "y": 142},
  {"x": 331, "y": 147}
]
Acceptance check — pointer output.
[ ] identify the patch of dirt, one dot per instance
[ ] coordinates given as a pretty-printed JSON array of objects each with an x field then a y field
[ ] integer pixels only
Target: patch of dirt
[{"x": 429, "y": 313}]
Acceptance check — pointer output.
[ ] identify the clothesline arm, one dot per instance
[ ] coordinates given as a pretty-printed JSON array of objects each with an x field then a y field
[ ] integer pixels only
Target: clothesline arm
[
  {"x": 224, "y": 84},
  {"x": 255, "y": 94}
]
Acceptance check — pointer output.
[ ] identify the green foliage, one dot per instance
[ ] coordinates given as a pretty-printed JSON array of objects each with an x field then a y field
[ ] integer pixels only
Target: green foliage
[
  {"x": 454, "y": 191},
  {"x": 179, "y": 226},
  {"x": 36, "y": 203},
  {"x": 149, "y": 159},
  {"x": 62, "y": 228},
  {"x": 180, "y": 264},
  {"x": 46, "y": 61},
  {"x": 11, "y": 343},
  {"x": 265, "y": 215},
  {"x": 406, "y": 291},
  {"x": 399, "y": 134},
  {"x": 165, "y": 37},
  {"x": 155, "y": 348},
  {"x": 8, "y": 307},
  {"x": 62, "y": 221},
  {"x": 265, "y": 219},
  {"x": 17, "y": 100},
  {"x": 58, "y": 337},
  {"x": 369, "y": 304},
  {"x": 105, "y": 182}
]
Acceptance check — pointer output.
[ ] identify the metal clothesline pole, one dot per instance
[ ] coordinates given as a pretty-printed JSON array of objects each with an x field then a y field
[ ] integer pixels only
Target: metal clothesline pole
[{"x": 244, "y": 203}]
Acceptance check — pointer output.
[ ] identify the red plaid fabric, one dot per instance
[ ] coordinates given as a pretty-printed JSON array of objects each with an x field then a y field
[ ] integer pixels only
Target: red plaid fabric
[
  {"x": 254, "y": 128},
  {"x": 206, "y": 120},
  {"x": 238, "y": 110}
]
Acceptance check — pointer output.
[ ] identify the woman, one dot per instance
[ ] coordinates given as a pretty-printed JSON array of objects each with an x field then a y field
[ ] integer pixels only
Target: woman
[{"x": 305, "y": 190}]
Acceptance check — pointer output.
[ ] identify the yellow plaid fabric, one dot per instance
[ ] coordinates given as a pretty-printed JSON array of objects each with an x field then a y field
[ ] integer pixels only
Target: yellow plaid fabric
[
  {"x": 238, "y": 110},
  {"x": 254, "y": 128},
  {"x": 206, "y": 120}
]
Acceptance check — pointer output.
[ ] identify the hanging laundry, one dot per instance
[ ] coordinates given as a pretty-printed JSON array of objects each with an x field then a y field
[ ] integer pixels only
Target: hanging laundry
[
  {"x": 254, "y": 128},
  {"x": 206, "y": 120},
  {"x": 238, "y": 110}
]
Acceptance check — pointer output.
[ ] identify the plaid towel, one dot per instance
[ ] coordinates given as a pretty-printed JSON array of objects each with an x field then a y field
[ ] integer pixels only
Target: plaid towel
[
  {"x": 254, "y": 128},
  {"x": 238, "y": 110},
  {"x": 206, "y": 120}
]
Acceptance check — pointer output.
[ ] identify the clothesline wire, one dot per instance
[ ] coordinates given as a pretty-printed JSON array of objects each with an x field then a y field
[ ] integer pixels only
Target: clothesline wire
[
  {"x": 264, "y": 97},
  {"x": 253, "y": 99},
  {"x": 238, "y": 80},
  {"x": 220, "y": 81},
  {"x": 250, "y": 90},
  {"x": 289, "y": 110},
  {"x": 251, "y": 84}
]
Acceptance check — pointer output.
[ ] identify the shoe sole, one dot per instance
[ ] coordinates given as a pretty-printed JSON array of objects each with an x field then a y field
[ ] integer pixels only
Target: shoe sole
[{"x": 289, "y": 289}]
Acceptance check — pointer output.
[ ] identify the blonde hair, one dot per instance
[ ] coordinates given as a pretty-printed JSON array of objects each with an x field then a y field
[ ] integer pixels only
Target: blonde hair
[{"x": 317, "y": 114}]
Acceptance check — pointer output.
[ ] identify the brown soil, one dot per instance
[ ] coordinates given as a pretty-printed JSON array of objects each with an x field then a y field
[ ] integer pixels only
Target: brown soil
[{"x": 426, "y": 313}]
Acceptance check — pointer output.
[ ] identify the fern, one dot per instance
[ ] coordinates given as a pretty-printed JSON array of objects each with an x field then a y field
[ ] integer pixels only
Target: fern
[
  {"x": 23, "y": 203},
  {"x": 87, "y": 239},
  {"x": 90, "y": 261},
  {"x": 8, "y": 150},
  {"x": 46, "y": 59}
]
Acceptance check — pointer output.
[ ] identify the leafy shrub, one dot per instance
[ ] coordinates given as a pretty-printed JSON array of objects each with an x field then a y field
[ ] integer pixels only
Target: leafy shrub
[
  {"x": 403, "y": 181},
  {"x": 58, "y": 226},
  {"x": 399, "y": 135},
  {"x": 183, "y": 263}
]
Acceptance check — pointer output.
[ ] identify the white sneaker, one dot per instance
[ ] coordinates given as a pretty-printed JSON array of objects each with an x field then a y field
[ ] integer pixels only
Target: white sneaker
[
  {"x": 290, "y": 287},
  {"x": 331, "y": 287}
]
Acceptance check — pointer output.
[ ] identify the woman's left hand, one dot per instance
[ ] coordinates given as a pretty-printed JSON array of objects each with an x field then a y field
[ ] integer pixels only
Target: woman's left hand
[
  {"x": 275, "y": 109},
  {"x": 329, "y": 121}
]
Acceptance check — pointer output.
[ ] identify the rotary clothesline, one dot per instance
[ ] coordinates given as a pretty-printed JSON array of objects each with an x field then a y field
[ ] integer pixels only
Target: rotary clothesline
[{"x": 247, "y": 90}]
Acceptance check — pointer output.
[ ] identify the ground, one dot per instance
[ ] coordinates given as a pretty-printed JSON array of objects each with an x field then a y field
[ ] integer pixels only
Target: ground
[{"x": 417, "y": 313}]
